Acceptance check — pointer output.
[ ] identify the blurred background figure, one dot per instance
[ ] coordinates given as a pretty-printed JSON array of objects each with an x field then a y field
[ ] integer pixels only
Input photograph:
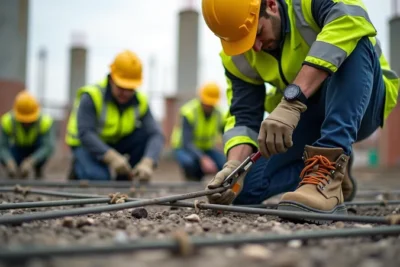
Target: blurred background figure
[
  {"x": 111, "y": 126},
  {"x": 27, "y": 138},
  {"x": 195, "y": 136}
]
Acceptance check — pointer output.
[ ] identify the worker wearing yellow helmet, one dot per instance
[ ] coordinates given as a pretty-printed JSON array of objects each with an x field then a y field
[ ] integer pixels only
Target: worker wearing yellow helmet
[
  {"x": 111, "y": 129},
  {"x": 27, "y": 138},
  {"x": 332, "y": 87},
  {"x": 194, "y": 137}
]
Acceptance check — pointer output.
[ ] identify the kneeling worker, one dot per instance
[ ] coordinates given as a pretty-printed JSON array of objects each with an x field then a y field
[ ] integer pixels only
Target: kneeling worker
[
  {"x": 195, "y": 136},
  {"x": 112, "y": 119},
  {"x": 27, "y": 138}
]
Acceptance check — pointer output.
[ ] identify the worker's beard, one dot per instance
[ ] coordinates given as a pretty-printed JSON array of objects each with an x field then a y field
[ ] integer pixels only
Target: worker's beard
[{"x": 276, "y": 31}]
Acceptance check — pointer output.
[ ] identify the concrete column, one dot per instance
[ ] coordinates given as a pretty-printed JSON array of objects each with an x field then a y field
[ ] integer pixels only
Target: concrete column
[
  {"x": 389, "y": 147},
  {"x": 188, "y": 55},
  {"x": 13, "y": 49},
  {"x": 77, "y": 66}
]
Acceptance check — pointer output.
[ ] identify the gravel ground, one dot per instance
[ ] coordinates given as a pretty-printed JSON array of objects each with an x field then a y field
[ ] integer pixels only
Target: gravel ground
[{"x": 160, "y": 222}]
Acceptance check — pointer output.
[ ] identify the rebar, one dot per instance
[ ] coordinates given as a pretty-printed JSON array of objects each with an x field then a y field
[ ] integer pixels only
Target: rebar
[
  {"x": 101, "y": 199},
  {"x": 16, "y": 219},
  {"x": 18, "y": 253},
  {"x": 173, "y": 201},
  {"x": 98, "y": 184},
  {"x": 55, "y": 203}
]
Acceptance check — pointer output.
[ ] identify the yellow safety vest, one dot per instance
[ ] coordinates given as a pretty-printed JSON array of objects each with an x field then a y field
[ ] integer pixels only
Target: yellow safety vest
[
  {"x": 111, "y": 125},
  {"x": 25, "y": 137},
  {"x": 205, "y": 130},
  {"x": 327, "y": 48}
]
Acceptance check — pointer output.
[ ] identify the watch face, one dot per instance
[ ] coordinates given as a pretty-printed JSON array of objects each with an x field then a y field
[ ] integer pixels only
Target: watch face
[{"x": 291, "y": 92}]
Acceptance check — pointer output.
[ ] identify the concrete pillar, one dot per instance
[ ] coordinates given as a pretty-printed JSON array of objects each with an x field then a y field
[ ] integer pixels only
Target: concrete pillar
[
  {"x": 13, "y": 49},
  {"x": 389, "y": 147},
  {"x": 77, "y": 66},
  {"x": 188, "y": 55}
]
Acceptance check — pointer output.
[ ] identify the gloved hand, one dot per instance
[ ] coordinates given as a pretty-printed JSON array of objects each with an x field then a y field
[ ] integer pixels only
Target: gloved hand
[
  {"x": 26, "y": 166},
  {"x": 117, "y": 162},
  {"x": 144, "y": 169},
  {"x": 11, "y": 168},
  {"x": 226, "y": 197},
  {"x": 276, "y": 130}
]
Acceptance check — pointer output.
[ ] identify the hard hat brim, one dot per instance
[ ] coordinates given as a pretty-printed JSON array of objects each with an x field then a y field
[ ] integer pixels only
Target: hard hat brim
[
  {"x": 27, "y": 118},
  {"x": 241, "y": 46},
  {"x": 210, "y": 101},
  {"x": 127, "y": 83}
]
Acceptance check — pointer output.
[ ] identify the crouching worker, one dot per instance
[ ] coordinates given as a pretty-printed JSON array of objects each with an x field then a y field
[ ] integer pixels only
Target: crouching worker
[
  {"x": 111, "y": 127},
  {"x": 195, "y": 136},
  {"x": 27, "y": 138}
]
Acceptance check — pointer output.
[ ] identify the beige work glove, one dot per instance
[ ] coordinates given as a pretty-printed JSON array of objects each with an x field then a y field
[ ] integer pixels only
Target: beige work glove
[
  {"x": 11, "y": 168},
  {"x": 226, "y": 197},
  {"x": 143, "y": 170},
  {"x": 26, "y": 166},
  {"x": 117, "y": 162},
  {"x": 276, "y": 130}
]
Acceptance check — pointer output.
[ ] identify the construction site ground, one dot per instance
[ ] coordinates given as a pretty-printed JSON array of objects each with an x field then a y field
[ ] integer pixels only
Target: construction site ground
[{"x": 162, "y": 221}]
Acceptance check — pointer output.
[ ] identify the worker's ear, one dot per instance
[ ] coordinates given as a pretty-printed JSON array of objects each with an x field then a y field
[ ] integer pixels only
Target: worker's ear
[{"x": 272, "y": 7}]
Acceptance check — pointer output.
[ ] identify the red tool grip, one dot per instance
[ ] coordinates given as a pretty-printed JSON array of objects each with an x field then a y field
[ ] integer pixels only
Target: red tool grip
[{"x": 255, "y": 156}]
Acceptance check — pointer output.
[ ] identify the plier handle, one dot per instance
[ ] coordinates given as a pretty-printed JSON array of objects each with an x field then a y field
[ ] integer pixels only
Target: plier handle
[{"x": 232, "y": 178}]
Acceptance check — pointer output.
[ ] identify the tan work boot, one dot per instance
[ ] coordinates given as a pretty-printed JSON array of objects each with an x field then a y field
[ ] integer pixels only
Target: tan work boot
[
  {"x": 349, "y": 185},
  {"x": 320, "y": 190}
]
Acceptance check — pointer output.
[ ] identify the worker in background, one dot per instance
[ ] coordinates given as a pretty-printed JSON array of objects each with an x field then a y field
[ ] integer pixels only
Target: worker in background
[
  {"x": 332, "y": 87},
  {"x": 195, "y": 136},
  {"x": 111, "y": 128},
  {"x": 27, "y": 138}
]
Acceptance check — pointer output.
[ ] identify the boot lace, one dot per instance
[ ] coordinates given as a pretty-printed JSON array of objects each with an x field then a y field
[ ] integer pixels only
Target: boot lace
[{"x": 317, "y": 170}]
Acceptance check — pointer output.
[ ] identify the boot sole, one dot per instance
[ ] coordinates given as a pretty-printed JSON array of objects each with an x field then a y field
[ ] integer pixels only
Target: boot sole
[{"x": 294, "y": 206}]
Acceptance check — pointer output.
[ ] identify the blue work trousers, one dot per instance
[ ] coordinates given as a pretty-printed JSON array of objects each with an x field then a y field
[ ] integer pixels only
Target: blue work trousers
[
  {"x": 19, "y": 153},
  {"x": 190, "y": 163},
  {"x": 86, "y": 166},
  {"x": 347, "y": 108}
]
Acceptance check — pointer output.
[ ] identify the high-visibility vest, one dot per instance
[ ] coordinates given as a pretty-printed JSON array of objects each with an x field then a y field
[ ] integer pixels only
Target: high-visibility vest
[
  {"x": 111, "y": 125},
  {"x": 205, "y": 130},
  {"x": 327, "y": 48},
  {"x": 25, "y": 137}
]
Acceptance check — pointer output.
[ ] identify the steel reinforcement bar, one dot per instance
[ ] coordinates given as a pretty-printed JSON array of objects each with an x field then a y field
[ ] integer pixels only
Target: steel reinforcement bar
[
  {"x": 174, "y": 201},
  {"x": 185, "y": 245}
]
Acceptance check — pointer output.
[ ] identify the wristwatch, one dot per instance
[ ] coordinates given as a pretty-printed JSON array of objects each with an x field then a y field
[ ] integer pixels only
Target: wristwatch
[{"x": 293, "y": 92}]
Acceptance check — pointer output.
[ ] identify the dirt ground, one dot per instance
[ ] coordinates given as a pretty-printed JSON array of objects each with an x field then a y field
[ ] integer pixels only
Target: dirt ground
[{"x": 159, "y": 222}]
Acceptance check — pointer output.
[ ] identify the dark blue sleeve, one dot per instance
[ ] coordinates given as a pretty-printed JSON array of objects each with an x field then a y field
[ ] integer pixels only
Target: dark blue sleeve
[
  {"x": 87, "y": 120},
  {"x": 155, "y": 143},
  {"x": 247, "y": 103},
  {"x": 187, "y": 138},
  {"x": 320, "y": 9}
]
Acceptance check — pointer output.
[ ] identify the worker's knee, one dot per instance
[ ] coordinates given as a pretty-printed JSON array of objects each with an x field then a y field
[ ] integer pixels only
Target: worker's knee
[
  {"x": 92, "y": 173},
  {"x": 185, "y": 159}
]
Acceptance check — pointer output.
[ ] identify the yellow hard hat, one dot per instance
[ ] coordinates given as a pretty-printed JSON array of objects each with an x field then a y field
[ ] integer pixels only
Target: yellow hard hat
[
  {"x": 235, "y": 22},
  {"x": 210, "y": 94},
  {"x": 126, "y": 70},
  {"x": 26, "y": 108}
]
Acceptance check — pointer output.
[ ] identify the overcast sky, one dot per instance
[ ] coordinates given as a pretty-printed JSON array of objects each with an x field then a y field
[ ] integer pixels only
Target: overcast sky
[{"x": 148, "y": 27}]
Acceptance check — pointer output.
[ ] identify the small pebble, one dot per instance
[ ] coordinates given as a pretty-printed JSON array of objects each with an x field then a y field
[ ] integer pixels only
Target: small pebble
[
  {"x": 358, "y": 225},
  {"x": 139, "y": 213},
  {"x": 294, "y": 243},
  {"x": 192, "y": 218},
  {"x": 84, "y": 222},
  {"x": 262, "y": 219},
  {"x": 68, "y": 222},
  {"x": 121, "y": 237},
  {"x": 256, "y": 252},
  {"x": 159, "y": 216},
  {"x": 226, "y": 220},
  {"x": 174, "y": 217},
  {"x": 339, "y": 225},
  {"x": 121, "y": 224},
  {"x": 206, "y": 227}
]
